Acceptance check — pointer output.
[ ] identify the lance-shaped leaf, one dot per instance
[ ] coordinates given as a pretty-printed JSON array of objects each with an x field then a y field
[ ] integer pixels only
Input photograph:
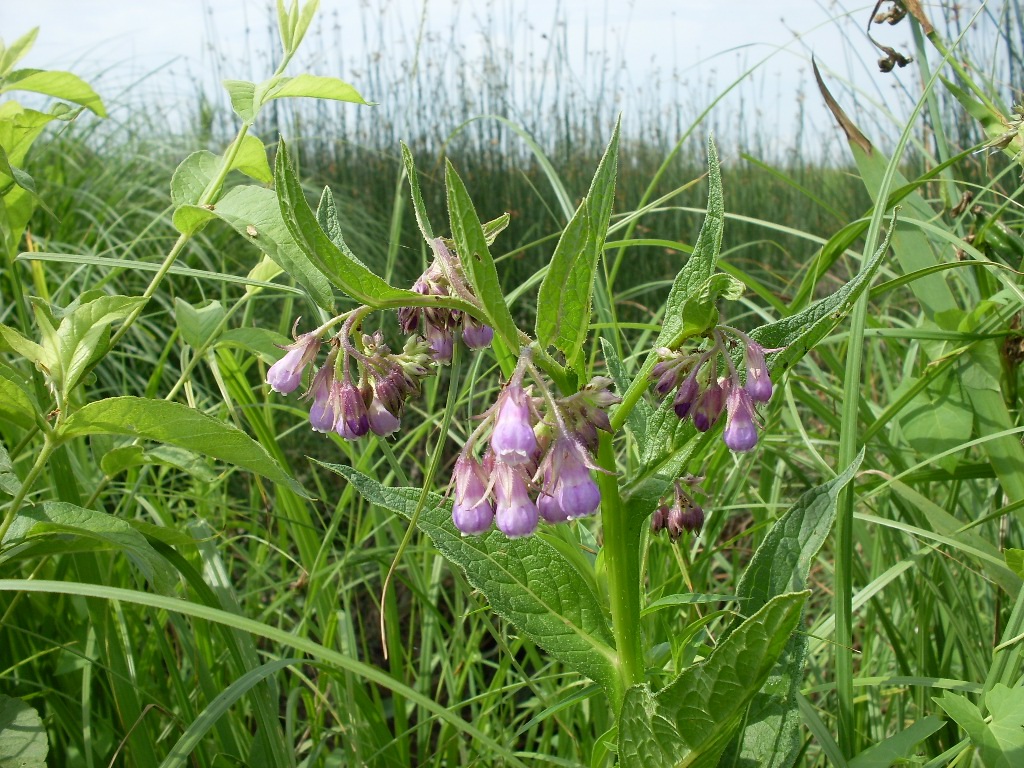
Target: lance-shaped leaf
[
  {"x": 690, "y": 721},
  {"x": 177, "y": 424},
  {"x": 566, "y": 294},
  {"x": 345, "y": 272},
  {"x": 527, "y": 581},
  {"x": 772, "y": 737},
  {"x": 418, "y": 206},
  {"x": 471, "y": 245}
]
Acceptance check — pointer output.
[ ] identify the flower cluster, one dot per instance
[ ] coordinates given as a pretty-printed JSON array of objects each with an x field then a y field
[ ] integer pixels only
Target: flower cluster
[
  {"x": 538, "y": 460},
  {"x": 702, "y": 394},
  {"x": 358, "y": 389},
  {"x": 684, "y": 514},
  {"x": 444, "y": 277}
]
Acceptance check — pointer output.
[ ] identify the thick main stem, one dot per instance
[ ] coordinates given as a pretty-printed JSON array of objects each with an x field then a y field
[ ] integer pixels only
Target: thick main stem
[{"x": 622, "y": 561}]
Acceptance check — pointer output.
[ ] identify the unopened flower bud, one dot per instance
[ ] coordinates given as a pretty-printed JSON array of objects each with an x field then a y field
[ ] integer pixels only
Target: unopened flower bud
[
  {"x": 353, "y": 421},
  {"x": 659, "y": 519},
  {"x": 687, "y": 395}
]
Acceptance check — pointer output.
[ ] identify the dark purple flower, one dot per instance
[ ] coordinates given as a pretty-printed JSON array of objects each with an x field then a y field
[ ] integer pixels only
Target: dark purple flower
[
  {"x": 472, "y": 510},
  {"x": 515, "y": 513},
  {"x": 709, "y": 405},
  {"x": 512, "y": 438},
  {"x": 687, "y": 395},
  {"x": 353, "y": 421},
  {"x": 740, "y": 429},
  {"x": 285, "y": 375},
  {"x": 659, "y": 519}
]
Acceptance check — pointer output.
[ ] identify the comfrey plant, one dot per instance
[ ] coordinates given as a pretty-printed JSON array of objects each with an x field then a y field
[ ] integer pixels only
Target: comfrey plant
[{"x": 582, "y": 457}]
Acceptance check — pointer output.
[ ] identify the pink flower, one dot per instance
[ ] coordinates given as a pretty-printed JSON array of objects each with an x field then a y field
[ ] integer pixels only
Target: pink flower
[{"x": 512, "y": 438}]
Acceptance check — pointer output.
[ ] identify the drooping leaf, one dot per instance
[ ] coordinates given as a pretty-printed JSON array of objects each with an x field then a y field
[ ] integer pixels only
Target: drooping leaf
[
  {"x": 177, "y": 424},
  {"x": 527, "y": 581},
  {"x": 60, "y": 85},
  {"x": 58, "y": 518},
  {"x": 772, "y": 737},
  {"x": 22, "y": 736},
  {"x": 251, "y": 159},
  {"x": 10, "y": 483},
  {"x": 691, "y": 720},
  {"x": 475, "y": 256},
  {"x": 899, "y": 746},
  {"x": 566, "y": 294},
  {"x": 242, "y": 95},
  {"x": 190, "y": 179}
]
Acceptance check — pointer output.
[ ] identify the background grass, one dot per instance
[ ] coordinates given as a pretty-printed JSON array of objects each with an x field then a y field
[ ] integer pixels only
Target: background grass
[{"x": 119, "y": 684}]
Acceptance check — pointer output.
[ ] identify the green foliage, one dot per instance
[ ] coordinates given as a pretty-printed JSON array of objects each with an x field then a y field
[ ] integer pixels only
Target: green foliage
[
  {"x": 527, "y": 581},
  {"x": 690, "y": 721},
  {"x": 22, "y": 738},
  {"x": 999, "y": 740}
]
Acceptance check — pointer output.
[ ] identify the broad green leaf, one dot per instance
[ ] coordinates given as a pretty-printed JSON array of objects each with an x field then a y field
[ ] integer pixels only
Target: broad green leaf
[
  {"x": 1000, "y": 741},
  {"x": 13, "y": 341},
  {"x": 315, "y": 87},
  {"x": 179, "y": 425},
  {"x": 58, "y": 519},
  {"x": 17, "y": 404},
  {"x": 22, "y": 736},
  {"x": 251, "y": 159},
  {"x": 60, "y": 85},
  {"x": 250, "y": 209},
  {"x": 772, "y": 737},
  {"x": 198, "y": 325},
  {"x": 899, "y": 747},
  {"x": 16, "y": 51},
  {"x": 242, "y": 94},
  {"x": 117, "y": 460},
  {"x": 19, "y": 127},
  {"x": 191, "y": 177},
  {"x": 327, "y": 218},
  {"x": 347, "y": 274},
  {"x": 690, "y": 721},
  {"x": 937, "y": 419},
  {"x": 418, "y": 206},
  {"x": 566, "y": 294},
  {"x": 471, "y": 245},
  {"x": 81, "y": 332},
  {"x": 527, "y": 581}
]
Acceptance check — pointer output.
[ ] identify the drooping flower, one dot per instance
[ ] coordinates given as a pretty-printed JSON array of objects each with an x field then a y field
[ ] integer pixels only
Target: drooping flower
[
  {"x": 353, "y": 421},
  {"x": 759, "y": 383},
  {"x": 476, "y": 335},
  {"x": 740, "y": 428},
  {"x": 382, "y": 422},
  {"x": 568, "y": 490},
  {"x": 285, "y": 375},
  {"x": 710, "y": 404},
  {"x": 472, "y": 510},
  {"x": 515, "y": 513},
  {"x": 322, "y": 417},
  {"x": 512, "y": 439}
]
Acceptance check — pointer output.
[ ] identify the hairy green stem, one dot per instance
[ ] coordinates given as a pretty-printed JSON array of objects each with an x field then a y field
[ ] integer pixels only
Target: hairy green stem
[
  {"x": 49, "y": 446},
  {"x": 622, "y": 561}
]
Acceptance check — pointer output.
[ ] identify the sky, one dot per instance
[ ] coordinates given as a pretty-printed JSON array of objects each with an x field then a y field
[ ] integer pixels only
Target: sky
[{"x": 702, "y": 44}]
